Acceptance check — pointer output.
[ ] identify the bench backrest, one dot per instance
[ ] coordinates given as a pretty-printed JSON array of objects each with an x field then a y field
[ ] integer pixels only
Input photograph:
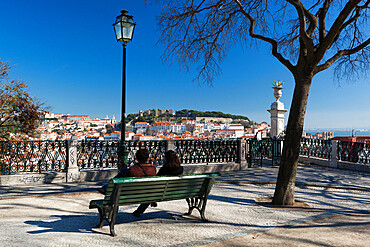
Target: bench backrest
[{"x": 160, "y": 188}]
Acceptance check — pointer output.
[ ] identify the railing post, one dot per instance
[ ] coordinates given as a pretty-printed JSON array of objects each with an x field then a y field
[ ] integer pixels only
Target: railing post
[
  {"x": 73, "y": 173},
  {"x": 333, "y": 155},
  {"x": 242, "y": 154},
  {"x": 170, "y": 145}
]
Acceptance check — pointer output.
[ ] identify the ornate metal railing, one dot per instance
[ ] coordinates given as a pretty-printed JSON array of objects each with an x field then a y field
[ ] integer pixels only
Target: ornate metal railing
[
  {"x": 32, "y": 156},
  {"x": 276, "y": 151},
  {"x": 257, "y": 150},
  {"x": 355, "y": 152},
  {"x": 207, "y": 151},
  {"x": 92, "y": 155},
  {"x": 97, "y": 154},
  {"x": 51, "y": 156},
  {"x": 315, "y": 148}
]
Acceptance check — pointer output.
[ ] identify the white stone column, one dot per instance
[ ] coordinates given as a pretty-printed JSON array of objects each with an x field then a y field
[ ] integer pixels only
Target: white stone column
[
  {"x": 73, "y": 173},
  {"x": 277, "y": 113},
  {"x": 170, "y": 145},
  {"x": 242, "y": 154}
]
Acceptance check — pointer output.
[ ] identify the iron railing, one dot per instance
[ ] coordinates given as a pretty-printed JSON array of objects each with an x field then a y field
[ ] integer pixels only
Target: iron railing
[
  {"x": 32, "y": 156},
  {"x": 257, "y": 150},
  {"x": 355, "y": 152},
  {"x": 207, "y": 151},
  {"x": 316, "y": 148},
  {"x": 51, "y": 156},
  {"x": 95, "y": 155}
]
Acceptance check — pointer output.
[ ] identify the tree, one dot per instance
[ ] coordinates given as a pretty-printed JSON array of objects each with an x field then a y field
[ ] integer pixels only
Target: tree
[
  {"x": 307, "y": 37},
  {"x": 19, "y": 112}
]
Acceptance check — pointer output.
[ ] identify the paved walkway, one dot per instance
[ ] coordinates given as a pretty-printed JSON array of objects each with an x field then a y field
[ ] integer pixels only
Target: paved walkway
[
  {"x": 307, "y": 175},
  {"x": 58, "y": 214}
]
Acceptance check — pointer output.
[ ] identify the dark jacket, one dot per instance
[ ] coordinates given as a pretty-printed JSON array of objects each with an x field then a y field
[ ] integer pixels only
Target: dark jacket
[
  {"x": 166, "y": 171},
  {"x": 141, "y": 171}
]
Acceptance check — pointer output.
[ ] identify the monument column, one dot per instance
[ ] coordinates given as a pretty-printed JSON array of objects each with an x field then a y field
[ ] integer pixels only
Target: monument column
[{"x": 277, "y": 113}]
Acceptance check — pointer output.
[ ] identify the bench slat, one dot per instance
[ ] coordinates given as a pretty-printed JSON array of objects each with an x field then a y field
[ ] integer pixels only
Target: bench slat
[
  {"x": 151, "y": 194},
  {"x": 148, "y": 189},
  {"x": 150, "y": 199},
  {"x": 163, "y": 178},
  {"x": 151, "y": 184}
]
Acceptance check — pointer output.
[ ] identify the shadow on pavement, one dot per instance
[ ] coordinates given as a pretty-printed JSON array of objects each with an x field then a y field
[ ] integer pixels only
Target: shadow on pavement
[{"x": 86, "y": 223}]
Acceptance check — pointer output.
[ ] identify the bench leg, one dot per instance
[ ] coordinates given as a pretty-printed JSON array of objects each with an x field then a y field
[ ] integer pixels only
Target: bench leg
[
  {"x": 112, "y": 232},
  {"x": 103, "y": 216},
  {"x": 199, "y": 204},
  {"x": 202, "y": 209},
  {"x": 112, "y": 220},
  {"x": 191, "y": 202}
]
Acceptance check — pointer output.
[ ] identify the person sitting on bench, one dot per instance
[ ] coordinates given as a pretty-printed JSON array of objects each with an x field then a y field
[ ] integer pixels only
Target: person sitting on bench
[
  {"x": 141, "y": 169},
  {"x": 172, "y": 166}
]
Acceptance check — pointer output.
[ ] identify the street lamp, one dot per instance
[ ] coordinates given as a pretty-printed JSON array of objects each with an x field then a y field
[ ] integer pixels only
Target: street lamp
[{"x": 124, "y": 30}]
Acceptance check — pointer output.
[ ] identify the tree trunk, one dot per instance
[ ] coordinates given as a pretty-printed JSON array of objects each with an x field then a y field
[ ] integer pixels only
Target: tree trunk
[{"x": 284, "y": 191}]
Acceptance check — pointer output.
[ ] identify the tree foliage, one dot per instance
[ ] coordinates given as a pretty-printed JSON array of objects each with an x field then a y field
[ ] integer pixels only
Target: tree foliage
[
  {"x": 298, "y": 32},
  {"x": 307, "y": 37},
  {"x": 19, "y": 112}
]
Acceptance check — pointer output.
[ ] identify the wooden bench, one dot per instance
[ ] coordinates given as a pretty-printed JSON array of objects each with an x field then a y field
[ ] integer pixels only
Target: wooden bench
[{"x": 126, "y": 191}]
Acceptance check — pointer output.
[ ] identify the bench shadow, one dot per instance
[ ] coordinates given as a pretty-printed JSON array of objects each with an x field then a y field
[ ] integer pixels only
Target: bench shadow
[
  {"x": 88, "y": 222},
  {"x": 65, "y": 223}
]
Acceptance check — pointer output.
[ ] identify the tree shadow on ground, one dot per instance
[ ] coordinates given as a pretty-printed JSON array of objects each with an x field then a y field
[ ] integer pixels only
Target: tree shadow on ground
[
  {"x": 340, "y": 201},
  {"x": 41, "y": 190},
  {"x": 234, "y": 200},
  {"x": 320, "y": 223}
]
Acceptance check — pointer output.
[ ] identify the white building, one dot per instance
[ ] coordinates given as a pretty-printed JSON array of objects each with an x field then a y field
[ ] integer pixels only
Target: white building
[{"x": 178, "y": 128}]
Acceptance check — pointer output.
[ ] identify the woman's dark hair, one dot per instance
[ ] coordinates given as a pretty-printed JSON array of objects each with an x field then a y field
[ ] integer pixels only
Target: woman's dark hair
[
  {"x": 142, "y": 155},
  {"x": 172, "y": 161}
]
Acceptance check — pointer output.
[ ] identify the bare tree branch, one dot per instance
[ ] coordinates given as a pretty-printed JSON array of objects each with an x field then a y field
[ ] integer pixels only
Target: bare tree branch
[
  {"x": 302, "y": 14},
  {"x": 273, "y": 42},
  {"x": 322, "y": 17},
  {"x": 339, "y": 54},
  {"x": 335, "y": 29}
]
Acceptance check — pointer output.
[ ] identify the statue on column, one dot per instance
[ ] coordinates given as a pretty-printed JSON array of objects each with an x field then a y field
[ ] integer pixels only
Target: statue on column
[{"x": 277, "y": 111}]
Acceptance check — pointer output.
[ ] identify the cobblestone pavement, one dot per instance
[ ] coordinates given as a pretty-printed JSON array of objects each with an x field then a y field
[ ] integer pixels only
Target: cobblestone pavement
[
  {"x": 40, "y": 216},
  {"x": 307, "y": 175}
]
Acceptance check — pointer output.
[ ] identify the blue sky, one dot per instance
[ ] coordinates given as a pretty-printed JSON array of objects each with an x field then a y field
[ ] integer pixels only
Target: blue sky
[{"x": 67, "y": 53}]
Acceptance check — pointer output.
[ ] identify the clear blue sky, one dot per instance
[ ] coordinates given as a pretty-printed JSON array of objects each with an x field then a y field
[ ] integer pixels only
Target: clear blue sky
[{"x": 67, "y": 53}]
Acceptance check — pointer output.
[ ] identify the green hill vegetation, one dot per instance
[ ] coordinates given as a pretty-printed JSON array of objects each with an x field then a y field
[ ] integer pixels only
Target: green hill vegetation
[
  {"x": 215, "y": 114},
  {"x": 182, "y": 114}
]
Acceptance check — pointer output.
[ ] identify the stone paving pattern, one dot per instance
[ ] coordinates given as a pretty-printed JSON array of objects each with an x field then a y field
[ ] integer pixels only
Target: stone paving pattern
[{"x": 58, "y": 214}]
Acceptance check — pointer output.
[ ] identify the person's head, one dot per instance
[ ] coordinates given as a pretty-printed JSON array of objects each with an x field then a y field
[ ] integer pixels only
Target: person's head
[
  {"x": 142, "y": 156},
  {"x": 172, "y": 161}
]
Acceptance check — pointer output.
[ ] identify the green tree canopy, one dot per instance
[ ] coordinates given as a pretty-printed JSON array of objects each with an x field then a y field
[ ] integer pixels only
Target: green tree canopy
[{"x": 19, "y": 112}]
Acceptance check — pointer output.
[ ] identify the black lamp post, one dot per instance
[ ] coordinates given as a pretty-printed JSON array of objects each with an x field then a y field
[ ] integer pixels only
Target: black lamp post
[{"x": 124, "y": 29}]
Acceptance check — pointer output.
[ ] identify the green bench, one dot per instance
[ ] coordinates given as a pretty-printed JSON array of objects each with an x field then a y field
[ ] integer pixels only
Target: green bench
[{"x": 126, "y": 191}]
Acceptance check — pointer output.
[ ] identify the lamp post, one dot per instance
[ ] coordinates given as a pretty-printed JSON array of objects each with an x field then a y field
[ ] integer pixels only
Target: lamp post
[{"x": 124, "y": 29}]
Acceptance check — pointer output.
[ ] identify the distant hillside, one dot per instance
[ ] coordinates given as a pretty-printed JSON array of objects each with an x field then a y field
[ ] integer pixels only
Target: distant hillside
[
  {"x": 182, "y": 114},
  {"x": 194, "y": 113}
]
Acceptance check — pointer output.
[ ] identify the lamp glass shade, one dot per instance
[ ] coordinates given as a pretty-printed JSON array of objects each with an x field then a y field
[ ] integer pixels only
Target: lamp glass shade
[{"x": 124, "y": 27}]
